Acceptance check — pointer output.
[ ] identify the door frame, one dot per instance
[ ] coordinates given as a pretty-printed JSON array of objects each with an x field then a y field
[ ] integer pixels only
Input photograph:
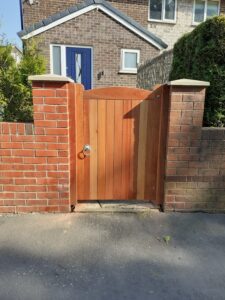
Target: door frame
[{"x": 63, "y": 58}]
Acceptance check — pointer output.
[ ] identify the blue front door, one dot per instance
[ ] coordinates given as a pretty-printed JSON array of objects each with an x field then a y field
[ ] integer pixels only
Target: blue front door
[{"x": 79, "y": 65}]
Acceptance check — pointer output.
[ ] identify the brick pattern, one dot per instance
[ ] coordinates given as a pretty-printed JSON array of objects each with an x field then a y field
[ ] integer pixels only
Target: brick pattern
[
  {"x": 222, "y": 7},
  {"x": 137, "y": 9},
  {"x": 195, "y": 167},
  {"x": 34, "y": 158},
  {"x": 98, "y": 31},
  {"x": 107, "y": 41},
  {"x": 37, "y": 161}
]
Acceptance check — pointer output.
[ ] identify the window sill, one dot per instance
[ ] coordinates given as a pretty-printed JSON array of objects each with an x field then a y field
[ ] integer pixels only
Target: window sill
[
  {"x": 194, "y": 24},
  {"x": 163, "y": 21},
  {"x": 127, "y": 72}
]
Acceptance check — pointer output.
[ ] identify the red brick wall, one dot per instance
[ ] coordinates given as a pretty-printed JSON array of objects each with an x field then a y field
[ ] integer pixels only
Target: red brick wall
[
  {"x": 37, "y": 161},
  {"x": 35, "y": 173},
  {"x": 195, "y": 173}
]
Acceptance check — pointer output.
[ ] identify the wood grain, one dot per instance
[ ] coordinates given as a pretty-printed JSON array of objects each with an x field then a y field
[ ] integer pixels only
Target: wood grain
[
  {"x": 117, "y": 93},
  {"x": 101, "y": 148},
  {"x": 110, "y": 140},
  {"x": 142, "y": 148},
  {"x": 93, "y": 128},
  {"x": 118, "y": 137},
  {"x": 125, "y": 150},
  {"x": 152, "y": 149},
  {"x": 126, "y": 129},
  {"x": 80, "y": 134},
  {"x": 86, "y": 136}
]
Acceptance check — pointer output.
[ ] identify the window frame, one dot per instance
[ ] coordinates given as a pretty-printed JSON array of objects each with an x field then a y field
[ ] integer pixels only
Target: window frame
[
  {"x": 52, "y": 58},
  {"x": 63, "y": 59},
  {"x": 205, "y": 11},
  {"x": 123, "y": 69},
  {"x": 163, "y": 20}
]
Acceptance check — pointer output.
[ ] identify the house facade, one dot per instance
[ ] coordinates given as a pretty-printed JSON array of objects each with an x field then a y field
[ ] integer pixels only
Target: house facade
[
  {"x": 16, "y": 54},
  {"x": 100, "y": 43}
]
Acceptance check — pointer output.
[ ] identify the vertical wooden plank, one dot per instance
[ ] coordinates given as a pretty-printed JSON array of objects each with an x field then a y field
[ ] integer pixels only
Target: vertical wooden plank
[
  {"x": 101, "y": 148},
  {"x": 126, "y": 149},
  {"x": 164, "y": 114},
  {"x": 129, "y": 149},
  {"x": 79, "y": 142},
  {"x": 142, "y": 144},
  {"x": 152, "y": 149},
  {"x": 118, "y": 134},
  {"x": 135, "y": 118},
  {"x": 110, "y": 124},
  {"x": 93, "y": 129},
  {"x": 76, "y": 91},
  {"x": 86, "y": 140}
]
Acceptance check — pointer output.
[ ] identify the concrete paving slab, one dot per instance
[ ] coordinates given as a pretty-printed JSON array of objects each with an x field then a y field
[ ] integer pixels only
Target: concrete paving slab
[
  {"x": 86, "y": 207},
  {"x": 114, "y": 206}
]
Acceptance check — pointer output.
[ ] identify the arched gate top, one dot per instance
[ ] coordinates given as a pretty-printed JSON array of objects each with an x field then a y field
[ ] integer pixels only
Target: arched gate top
[{"x": 120, "y": 93}]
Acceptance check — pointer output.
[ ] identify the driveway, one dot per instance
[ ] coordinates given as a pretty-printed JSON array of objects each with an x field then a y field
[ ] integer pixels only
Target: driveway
[{"x": 112, "y": 256}]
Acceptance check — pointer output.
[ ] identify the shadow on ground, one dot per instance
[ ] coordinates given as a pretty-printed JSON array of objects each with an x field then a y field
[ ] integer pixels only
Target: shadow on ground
[{"x": 112, "y": 256}]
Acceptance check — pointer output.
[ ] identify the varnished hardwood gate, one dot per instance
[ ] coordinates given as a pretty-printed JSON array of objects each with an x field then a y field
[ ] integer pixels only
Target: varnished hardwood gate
[{"x": 126, "y": 131}]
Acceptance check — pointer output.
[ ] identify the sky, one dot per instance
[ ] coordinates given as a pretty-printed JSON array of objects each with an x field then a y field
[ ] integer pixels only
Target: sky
[{"x": 10, "y": 20}]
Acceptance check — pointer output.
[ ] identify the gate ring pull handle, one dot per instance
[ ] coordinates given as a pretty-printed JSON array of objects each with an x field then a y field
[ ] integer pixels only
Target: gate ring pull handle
[{"x": 86, "y": 150}]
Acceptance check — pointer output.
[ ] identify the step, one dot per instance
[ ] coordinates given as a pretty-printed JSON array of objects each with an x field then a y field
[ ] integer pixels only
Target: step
[{"x": 114, "y": 206}]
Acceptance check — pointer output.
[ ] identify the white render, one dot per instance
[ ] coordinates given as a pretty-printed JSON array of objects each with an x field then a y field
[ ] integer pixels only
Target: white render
[{"x": 170, "y": 32}]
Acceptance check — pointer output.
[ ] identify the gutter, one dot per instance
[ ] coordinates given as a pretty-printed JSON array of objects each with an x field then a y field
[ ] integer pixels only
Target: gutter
[{"x": 21, "y": 14}]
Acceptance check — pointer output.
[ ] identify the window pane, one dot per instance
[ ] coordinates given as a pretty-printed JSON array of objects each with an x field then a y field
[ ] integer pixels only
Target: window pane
[
  {"x": 170, "y": 9},
  {"x": 199, "y": 11},
  {"x": 56, "y": 60},
  {"x": 156, "y": 9},
  {"x": 130, "y": 60},
  {"x": 78, "y": 67},
  {"x": 212, "y": 8}
]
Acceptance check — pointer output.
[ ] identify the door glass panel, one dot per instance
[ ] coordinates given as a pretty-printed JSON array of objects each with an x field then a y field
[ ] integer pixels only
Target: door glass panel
[
  {"x": 130, "y": 60},
  {"x": 78, "y": 67},
  {"x": 199, "y": 11},
  {"x": 212, "y": 8},
  {"x": 156, "y": 9},
  {"x": 56, "y": 60},
  {"x": 170, "y": 9}
]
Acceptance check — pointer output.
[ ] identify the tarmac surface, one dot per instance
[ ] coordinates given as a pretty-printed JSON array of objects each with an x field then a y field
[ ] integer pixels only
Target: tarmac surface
[{"x": 112, "y": 256}]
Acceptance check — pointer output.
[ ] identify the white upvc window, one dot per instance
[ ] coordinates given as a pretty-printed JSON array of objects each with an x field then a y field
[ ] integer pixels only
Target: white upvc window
[
  {"x": 58, "y": 59},
  {"x": 204, "y": 9},
  {"x": 163, "y": 11},
  {"x": 130, "y": 59}
]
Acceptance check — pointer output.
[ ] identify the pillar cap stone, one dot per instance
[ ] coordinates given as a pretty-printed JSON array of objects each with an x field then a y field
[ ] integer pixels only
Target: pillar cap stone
[
  {"x": 50, "y": 77},
  {"x": 188, "y": 82}
]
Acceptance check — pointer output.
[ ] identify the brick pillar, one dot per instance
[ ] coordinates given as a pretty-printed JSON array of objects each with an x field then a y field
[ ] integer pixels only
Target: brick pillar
[
  {"x": 187, "y": 99},
  {"x": 51, "y": 97}
]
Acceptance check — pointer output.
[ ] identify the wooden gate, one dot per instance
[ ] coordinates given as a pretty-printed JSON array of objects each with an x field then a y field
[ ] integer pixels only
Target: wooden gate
[{"x": 120, "y": 144}]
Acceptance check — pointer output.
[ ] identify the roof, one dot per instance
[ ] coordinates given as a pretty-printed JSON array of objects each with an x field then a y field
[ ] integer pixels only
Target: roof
[{"x": 84, "y": 7}]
